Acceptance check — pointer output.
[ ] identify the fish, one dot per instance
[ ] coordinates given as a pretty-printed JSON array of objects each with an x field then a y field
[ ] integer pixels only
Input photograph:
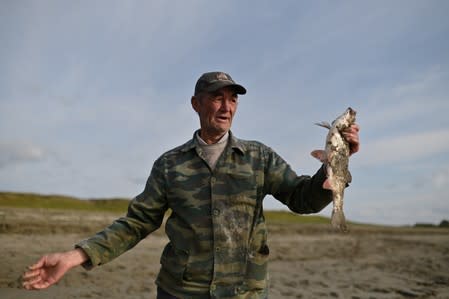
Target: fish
[{"x": 335, "y": 157}]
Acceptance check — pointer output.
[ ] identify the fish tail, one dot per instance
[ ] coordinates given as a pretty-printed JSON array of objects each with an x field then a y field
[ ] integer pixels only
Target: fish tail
[{"x": 338, "y": 220}]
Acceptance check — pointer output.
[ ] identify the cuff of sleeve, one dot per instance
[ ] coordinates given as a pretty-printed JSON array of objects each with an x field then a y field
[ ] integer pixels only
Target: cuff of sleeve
[
  {"x": 321, "y": 174},
  {"x": 93, "y": 260},
  {"x": 323, "y": 196}
]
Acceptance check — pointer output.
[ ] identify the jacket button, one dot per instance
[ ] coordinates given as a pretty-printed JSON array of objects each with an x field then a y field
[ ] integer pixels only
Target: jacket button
[{"x": 216, "y": 212}]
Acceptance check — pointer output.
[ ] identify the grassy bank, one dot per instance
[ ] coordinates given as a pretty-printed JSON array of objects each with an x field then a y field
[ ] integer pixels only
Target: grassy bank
[{"x": 38, "y": 201}]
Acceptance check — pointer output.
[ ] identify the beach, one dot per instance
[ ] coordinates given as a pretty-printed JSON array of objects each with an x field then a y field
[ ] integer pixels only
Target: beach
[{"x": 306, "y": 260}]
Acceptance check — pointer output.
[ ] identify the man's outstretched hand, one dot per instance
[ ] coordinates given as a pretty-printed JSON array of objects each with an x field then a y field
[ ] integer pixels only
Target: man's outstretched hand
[{"x": 50, "y": 268}]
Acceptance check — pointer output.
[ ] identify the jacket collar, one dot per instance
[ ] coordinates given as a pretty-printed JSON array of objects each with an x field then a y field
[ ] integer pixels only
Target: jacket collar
[{"x": 233, "y": 142}]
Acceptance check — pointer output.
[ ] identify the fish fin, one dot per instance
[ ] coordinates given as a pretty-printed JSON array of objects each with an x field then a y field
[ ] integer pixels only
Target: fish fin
[
  {"x": 324, "y": 124},
  {"x": 320, "y": 155},
  {"x": 338, "y": 220},
  {"x": 327, "y": 185},
  {"x": 348, "y": 177}
]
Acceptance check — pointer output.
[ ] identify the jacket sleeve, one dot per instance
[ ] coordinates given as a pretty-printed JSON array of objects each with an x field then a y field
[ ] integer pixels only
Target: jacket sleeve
[
  {"x": 145, "y": 215},
  {"x": 302, "y": 194}
]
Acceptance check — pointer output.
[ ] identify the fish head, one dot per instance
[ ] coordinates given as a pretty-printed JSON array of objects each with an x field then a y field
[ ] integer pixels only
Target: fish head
[{"x": 345, "y": 120}]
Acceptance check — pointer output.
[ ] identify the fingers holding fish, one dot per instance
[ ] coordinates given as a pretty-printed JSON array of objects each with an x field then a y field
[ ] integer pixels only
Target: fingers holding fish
[
  {"x": 355, "y": 127},
  {"x": 351, "y": 135}
]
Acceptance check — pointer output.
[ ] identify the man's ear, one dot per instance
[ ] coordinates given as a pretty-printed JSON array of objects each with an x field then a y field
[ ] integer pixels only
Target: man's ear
[{"x": 195, "y": 103}]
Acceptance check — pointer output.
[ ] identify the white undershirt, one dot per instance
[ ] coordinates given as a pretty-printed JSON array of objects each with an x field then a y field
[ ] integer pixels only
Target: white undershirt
[{"x": 212, "y": 151}]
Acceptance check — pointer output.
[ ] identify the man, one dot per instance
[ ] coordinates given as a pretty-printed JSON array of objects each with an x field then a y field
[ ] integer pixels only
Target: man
[{"x": 214, "y": 185}]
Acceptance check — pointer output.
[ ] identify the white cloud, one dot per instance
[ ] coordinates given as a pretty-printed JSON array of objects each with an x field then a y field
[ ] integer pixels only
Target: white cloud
[
  {"x": 409, "y": 102},
  {"x": 18, "y": 152},
  {"x": 404, "y": 148},
  {"x": 377, "y": 205},
  {"x": 440, "y": 178}
]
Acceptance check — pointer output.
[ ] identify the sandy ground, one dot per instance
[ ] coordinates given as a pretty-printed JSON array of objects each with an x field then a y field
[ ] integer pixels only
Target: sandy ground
[{"x": 307, "y": 261}]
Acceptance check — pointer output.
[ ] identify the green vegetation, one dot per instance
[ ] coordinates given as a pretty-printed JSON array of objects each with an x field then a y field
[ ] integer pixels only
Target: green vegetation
[
  {"x": 289, "y": 217},
  {"x": 443, "y": 223},
  {"x": 37, "y": 201}
]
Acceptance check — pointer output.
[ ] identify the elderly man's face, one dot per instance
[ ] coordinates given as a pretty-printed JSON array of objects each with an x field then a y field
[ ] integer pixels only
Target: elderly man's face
[{"x": 216, "y": 111}]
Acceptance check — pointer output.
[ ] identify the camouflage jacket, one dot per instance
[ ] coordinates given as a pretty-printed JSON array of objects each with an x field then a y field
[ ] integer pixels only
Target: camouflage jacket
[{"x": 218, "y": 239}]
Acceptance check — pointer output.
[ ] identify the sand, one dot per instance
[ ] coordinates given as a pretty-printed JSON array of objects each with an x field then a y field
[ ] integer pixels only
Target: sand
[{"x": 306, "y": 261}]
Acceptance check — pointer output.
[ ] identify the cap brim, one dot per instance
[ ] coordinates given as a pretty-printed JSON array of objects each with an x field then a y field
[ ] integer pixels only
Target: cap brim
[{"x": 220, "y": 84}]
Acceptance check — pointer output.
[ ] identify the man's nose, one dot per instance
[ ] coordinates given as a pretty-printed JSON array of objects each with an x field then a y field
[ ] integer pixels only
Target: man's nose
[{"x": 226, "y": 104}]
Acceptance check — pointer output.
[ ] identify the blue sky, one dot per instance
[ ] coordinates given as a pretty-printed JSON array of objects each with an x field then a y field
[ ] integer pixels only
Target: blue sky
[{"x": 92, "y": 92}]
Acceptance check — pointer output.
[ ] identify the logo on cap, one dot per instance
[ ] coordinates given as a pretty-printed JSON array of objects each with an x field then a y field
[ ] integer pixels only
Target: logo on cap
[{"x": 222, "y": 76}]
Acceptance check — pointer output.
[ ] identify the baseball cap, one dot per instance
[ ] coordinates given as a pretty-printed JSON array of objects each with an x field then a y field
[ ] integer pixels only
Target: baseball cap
[{"x": 212, "y": 81}]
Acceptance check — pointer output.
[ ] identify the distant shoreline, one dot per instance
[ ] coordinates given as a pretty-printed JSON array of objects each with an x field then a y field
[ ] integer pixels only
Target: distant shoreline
[{"x": 120, "y": 205}]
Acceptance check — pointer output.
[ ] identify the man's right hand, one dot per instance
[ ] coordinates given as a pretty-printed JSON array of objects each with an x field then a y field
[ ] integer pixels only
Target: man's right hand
[{"x": 51, "y": 268}]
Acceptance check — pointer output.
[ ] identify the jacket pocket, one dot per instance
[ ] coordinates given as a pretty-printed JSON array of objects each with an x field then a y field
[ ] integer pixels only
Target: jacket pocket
[
  {"x": 256, "y": 269},
  {"x": 174, "y": 261}
]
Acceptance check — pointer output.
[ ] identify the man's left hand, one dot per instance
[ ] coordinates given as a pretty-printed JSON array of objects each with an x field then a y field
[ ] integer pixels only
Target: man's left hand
[{"x": 352, "y": 136}]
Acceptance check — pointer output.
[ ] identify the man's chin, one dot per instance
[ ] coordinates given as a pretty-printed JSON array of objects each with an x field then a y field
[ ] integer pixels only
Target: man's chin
[
  {"x": 222, "y": 127},
  {"x": 224, "y": 130}
]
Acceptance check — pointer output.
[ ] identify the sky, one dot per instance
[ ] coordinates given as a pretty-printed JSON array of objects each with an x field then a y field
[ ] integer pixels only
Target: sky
[{"x": 93, "y": 92}]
